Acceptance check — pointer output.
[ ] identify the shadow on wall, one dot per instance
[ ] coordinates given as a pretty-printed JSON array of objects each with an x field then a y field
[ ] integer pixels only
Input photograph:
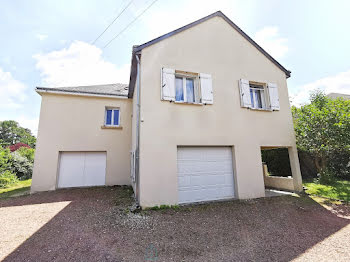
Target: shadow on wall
[{"x": 92, "y": 227}]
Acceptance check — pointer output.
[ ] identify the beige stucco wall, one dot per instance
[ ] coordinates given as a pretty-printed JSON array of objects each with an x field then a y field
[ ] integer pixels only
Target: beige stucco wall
[
  {"x": 73, "y": 123},
  {"x": 284, "y": 183},
  {"x": 212, "y": 47}
]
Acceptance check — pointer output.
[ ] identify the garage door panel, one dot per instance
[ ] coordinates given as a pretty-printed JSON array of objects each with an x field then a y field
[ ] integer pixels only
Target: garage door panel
[
  {"x": 71, "y": 163},
  {"x": 95, "y": 165},
  {"x": 79, "y": 169},
  {"x": 204, "y": 174}
]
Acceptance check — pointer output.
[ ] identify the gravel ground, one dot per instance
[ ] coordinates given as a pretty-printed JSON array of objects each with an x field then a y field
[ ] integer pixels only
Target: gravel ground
[{"x": 96, "y": 225}]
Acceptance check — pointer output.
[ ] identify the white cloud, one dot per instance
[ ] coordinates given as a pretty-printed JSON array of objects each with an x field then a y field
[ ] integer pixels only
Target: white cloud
[
  {"x": 41, "y": 37},
  {"x": 79, "y": 64},
  {"x": 339, "y": 83},
  {"x": 268, "y": 38},
  {"x": 11, "y": 91},
  {"x": 31, "y": 123}
]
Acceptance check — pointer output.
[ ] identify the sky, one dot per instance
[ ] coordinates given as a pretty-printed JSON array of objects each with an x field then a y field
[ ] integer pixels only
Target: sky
[{"x": 49, "y": 43}]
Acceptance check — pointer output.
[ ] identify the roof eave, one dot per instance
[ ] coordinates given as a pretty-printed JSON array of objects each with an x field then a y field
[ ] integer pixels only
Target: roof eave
[{"x": 41, "y": 90}]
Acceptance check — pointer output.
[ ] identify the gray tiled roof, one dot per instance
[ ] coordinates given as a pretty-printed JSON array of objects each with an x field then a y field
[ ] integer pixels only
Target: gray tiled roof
[{"x": 110, "y": 89}]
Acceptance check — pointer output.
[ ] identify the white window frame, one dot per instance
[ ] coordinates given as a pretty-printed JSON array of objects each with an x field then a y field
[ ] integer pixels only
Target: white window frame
[
  {"x": 112, "y": 117},
  {"x": 263, "y": 97},
  {"x": 196, "y": 89}
]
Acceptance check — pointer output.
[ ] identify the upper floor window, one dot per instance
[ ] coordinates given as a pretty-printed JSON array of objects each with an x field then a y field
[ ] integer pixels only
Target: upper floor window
[
  {"x": 186, "y": 87},
  {"x": 112, "y": 117},
  {"x": 259, "y": 95}
]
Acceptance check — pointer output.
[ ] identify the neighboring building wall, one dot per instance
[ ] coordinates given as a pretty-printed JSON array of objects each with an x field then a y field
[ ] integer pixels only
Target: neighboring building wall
[
  {"x": 337, "y": 95},
  {"x": 73, "y": 123},
  {"x": 212, "y": 47}
]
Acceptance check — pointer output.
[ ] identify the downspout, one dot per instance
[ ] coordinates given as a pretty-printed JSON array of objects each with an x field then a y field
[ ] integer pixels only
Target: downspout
[{"x": 137, "y": 151}]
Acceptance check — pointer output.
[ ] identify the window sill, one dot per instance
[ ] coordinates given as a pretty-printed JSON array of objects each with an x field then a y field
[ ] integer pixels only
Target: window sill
[
  {"x": 111, "y": 127},
  {"x": 186, "y": 103},
  {"x": 260, "y": 109}
]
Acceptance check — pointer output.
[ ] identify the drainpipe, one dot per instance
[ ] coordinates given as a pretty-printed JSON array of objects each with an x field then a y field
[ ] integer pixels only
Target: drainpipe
[{"x": 137, "y": 151}]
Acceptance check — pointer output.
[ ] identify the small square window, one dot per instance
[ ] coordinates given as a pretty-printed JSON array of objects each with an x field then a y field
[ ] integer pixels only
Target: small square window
[
  {"x": 257, "y": 96},
  {"x": 112, "y": 117}
]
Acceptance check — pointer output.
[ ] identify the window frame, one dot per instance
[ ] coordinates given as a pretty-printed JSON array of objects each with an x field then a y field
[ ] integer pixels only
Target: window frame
[
  {"x": 112, "y": 117},
  {"x": 263, "y": 95},
  {"x": 196, "y": 86}
]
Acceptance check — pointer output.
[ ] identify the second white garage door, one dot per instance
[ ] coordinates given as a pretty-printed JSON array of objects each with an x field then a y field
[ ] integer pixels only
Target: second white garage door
[
  {"x": 204, "y": 174},
  {"x": 80, "y": 169}
]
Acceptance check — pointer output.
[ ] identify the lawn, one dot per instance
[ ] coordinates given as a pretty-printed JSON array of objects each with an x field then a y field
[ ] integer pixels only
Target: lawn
[
  {"x": 20, "y": 188},
  {"x": 339, "y": 189}
]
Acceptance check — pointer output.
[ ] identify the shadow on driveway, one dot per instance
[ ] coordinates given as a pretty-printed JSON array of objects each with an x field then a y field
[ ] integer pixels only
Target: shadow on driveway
[{"x": 95, "y": 225}]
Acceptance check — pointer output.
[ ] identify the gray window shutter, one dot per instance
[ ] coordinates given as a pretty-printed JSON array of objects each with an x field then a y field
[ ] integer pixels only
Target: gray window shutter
[
  {"x": 168, "y": 84},
  {"x": 273, "y": 94},
  {"x": 245, "y": 93},
  {"x": 206, "y": 88}
]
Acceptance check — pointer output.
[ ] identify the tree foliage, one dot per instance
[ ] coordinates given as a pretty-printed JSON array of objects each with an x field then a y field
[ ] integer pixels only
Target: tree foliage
[
  {"x": 5, "y": 158},
  {"x": 323, "y": 130},
  {"x": 11, "y": 133},
  {"x": 21, "y": 166}
]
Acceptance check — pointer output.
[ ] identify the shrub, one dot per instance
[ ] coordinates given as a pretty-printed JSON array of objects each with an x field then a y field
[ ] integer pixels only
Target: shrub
[
  {"x": 277, "y": 161},
  {"x": 27, "y": 153},
  {"x": 5, "y": 158},
  {"x": 17, "y": 146},
  {"x": 21, "y": 166},
  {"x": 323, "y": 131},
  {"x": 7, "y": 178}
]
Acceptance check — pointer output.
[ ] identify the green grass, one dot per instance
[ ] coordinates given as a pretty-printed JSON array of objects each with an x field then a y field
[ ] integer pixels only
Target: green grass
[
  {"x": 20, "y": 188},
  {"x": 339, "y": 189}
]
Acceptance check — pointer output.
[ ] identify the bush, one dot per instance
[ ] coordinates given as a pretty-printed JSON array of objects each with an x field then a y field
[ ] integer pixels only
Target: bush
[
  {"x": 323, "y": 131},
  {"x": 17, "y": 146},
  {"x": 7, "y": 178},
  {"x": 21, "y": 166},
  {"x": 27, "y": 153},
  {"x": 277, "y": 161},
  {"x": 5, "y": 158}
]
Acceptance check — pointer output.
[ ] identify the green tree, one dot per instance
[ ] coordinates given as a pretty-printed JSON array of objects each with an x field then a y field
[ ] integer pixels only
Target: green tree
[
  {"x": 323, "y": 129},
  {"x": 5, "y": 159},
  {"x": 11, "y": 133},
  {"x": 27, "y": 153}
]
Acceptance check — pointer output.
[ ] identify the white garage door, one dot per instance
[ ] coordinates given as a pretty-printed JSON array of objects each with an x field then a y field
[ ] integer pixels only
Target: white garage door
[
  {"x": 204, "y": 173},
  {"x": 78, "y": 169}
]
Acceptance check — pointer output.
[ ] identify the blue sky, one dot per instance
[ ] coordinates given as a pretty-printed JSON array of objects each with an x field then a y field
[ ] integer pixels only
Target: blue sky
[{"x": 48, "y": 43}]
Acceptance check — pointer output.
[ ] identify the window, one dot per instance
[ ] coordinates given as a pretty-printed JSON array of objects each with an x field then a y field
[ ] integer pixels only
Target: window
[
  {"x": 257, "y": 96},
  {"x": 185, "y": 89},
  {"x": 112, "y": 117}
]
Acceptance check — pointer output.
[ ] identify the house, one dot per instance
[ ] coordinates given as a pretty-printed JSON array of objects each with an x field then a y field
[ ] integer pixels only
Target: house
[
  {"x": 338, "y": 95},
  {"x": 201, "y": 103}
]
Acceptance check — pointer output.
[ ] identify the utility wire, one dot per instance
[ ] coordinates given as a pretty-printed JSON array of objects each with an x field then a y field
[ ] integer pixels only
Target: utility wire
[
  {"x": 130, "y": 23},
  {"x": 115, "y": 19}
]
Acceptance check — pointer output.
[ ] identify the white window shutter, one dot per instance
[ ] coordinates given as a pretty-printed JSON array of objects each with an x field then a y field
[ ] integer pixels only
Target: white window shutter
[
  {"x": 206, "y": 88},
  {"x": 168, "y": 84},
  {"x": 244, "y": 89},
  {"x": 273, "y": 94}
]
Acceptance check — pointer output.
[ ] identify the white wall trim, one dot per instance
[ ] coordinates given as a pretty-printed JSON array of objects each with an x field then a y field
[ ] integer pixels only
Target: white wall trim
[{"x": 39, "y": 91}]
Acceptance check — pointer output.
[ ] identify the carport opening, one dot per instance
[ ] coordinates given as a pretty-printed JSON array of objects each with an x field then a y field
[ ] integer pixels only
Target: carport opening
[{"x": 276, "y": 168}]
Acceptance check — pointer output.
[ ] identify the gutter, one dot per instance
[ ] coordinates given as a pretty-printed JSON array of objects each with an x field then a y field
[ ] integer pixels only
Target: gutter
[
  {"x": 137, "y": 151},
  {"x": 41, "y": 90}
]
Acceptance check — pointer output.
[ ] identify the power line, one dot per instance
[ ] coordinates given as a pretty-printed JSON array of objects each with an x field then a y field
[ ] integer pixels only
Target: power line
[
  {"x": 131, "y": 23},
  {"x": 115, "y": 19}
]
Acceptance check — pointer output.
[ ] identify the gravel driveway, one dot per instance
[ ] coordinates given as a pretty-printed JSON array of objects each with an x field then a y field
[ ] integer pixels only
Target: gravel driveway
[{"x": 95, "y": 225}]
